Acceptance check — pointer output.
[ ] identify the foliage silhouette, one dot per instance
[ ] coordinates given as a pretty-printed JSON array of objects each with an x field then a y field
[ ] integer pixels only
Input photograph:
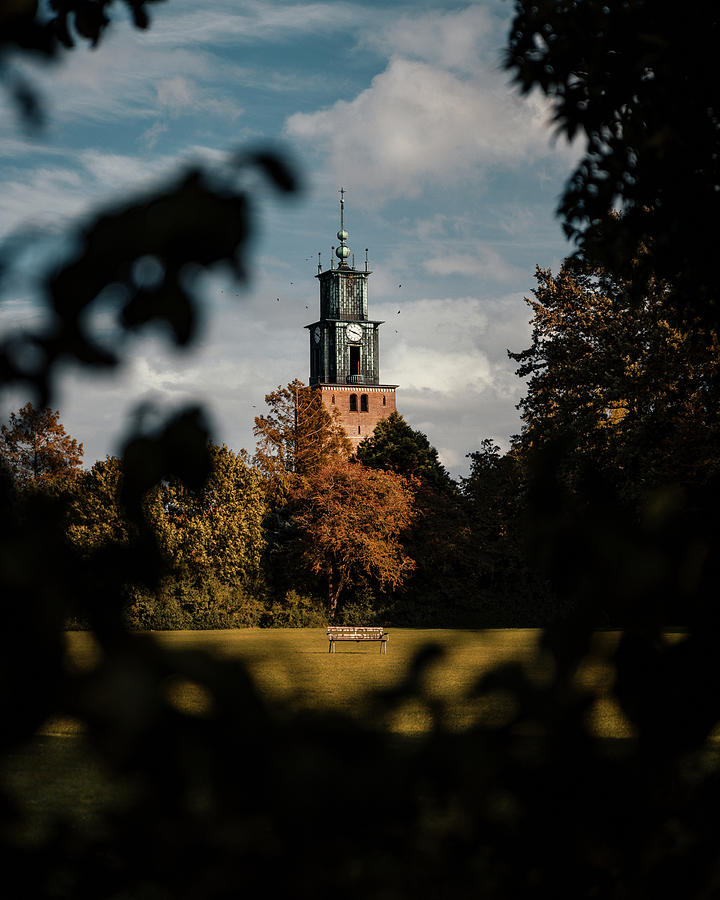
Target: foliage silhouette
[
  {"x": 642, "y": 95},
  {"x": 239, "y": 797},
  {"x": 48, "y": 32}
]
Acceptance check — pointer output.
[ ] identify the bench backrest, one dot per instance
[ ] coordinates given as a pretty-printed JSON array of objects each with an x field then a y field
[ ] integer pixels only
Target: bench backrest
[{"x": 360, "y": 632}]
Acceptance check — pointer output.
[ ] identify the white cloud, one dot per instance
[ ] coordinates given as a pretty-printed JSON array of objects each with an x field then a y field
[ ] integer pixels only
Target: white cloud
[
  {"x": 59, "y": 191},
  {"x": 447, "y": 345},
  {"x": 42, "y": 198},
  {"x": 179, "y": 95},
  {"x": 428, "y": 368},
  {"x": 417, "y": 124},
  {"x": 480, "y": 261},
  {"x": 127, "y": 77},
  {"x": 176, "y": 94},
  {"x": 456, "y": 40},
  {"x": 152, "y": 135},
  {"x": 236, "y": 21},
  {"x": 114, "y": 171}
]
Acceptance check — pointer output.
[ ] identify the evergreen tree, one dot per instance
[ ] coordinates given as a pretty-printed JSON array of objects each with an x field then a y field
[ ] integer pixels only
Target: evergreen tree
[
  {"x": 398, "y": 448},
  {"x": 633, "y": 396}
]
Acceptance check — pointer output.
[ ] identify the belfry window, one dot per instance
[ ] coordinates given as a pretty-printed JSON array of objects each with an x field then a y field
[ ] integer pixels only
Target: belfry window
[
  {"x": 354, "y": 360},
  {"x": 363, "y": 402},
  {"x": 353, "y": 402}
]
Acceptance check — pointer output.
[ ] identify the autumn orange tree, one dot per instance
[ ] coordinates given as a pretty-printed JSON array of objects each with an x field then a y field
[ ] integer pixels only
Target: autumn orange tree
[
  {"x": 349, "y": 520},
  {"x": 36, "y": 449},
  {"x": 297, "y": 434}
]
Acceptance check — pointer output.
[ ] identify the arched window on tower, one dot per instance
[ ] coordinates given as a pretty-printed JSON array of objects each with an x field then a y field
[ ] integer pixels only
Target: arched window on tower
[
  {"x": 383, "y": 399},
  {"x": 353, "y": 402},
  {"x": 363, "y": 402}
]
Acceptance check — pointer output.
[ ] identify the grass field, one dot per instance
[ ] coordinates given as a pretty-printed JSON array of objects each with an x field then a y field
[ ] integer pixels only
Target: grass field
[{"x": 293, "y": 669}]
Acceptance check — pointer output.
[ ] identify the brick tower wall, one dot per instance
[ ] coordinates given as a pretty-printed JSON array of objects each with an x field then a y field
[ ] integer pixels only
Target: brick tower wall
[{"x": 358, "y": 423}]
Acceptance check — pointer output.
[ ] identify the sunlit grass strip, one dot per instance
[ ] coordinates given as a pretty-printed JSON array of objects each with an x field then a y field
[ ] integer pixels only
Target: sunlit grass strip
[{"x": 293, "y": 670}]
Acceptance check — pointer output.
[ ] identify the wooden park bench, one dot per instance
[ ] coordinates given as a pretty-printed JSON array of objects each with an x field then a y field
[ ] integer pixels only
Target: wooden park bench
[{"x": 356, "y": 633}]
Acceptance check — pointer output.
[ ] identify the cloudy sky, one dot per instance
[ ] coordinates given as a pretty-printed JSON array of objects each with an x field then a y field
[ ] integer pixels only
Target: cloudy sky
[{"x": 451, "y": 182}]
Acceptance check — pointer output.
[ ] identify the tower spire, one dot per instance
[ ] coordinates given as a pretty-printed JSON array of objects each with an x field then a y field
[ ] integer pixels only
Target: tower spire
[
  {"x": 342, "y": 252},
  {"x": 345, "y": 345}
]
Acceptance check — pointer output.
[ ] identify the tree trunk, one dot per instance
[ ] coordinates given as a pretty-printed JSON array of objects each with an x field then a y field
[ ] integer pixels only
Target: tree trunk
[{"x": 334, "y": 589}]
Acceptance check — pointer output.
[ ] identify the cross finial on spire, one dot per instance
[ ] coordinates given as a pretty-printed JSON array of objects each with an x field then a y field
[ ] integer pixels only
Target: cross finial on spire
[{"x": 343, "y": 251}]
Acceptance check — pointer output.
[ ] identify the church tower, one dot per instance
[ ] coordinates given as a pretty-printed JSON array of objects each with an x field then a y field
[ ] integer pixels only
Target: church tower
[{"x": 345, "y": 345}]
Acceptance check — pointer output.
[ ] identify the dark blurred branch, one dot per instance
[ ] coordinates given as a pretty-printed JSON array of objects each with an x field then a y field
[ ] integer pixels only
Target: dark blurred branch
[
  {"x": 46, "y": 31},
  {"x": 200, "y": 220}
]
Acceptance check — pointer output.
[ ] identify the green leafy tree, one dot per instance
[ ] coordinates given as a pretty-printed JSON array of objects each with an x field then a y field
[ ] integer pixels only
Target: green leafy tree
[
  {"x": 36, "y": 449},
  {"x": 216, "y": 529},
  {"x": 96, "y": 518},
  {"x": 494, "y": 499},
  {"x": 298, "y": 435},
  {"x": 398, "y": 448},
  {"x": 438, "y": 588},
  {"x": 350, "y": 520}
]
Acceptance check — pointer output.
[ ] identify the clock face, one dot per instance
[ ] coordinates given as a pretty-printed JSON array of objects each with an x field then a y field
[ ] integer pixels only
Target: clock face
[
  {"x": 353, "y": 332},
  {"x": 316, "y": 335}
]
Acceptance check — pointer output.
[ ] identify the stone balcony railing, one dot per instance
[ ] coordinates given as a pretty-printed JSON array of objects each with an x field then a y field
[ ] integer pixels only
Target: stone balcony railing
[{"x": 356, "y": 379}]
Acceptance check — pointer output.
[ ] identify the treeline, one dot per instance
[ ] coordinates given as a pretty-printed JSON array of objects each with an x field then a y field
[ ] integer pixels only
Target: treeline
[
  {"x": 299, "y": 533},
  {"x": 621, "y": 412}
]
